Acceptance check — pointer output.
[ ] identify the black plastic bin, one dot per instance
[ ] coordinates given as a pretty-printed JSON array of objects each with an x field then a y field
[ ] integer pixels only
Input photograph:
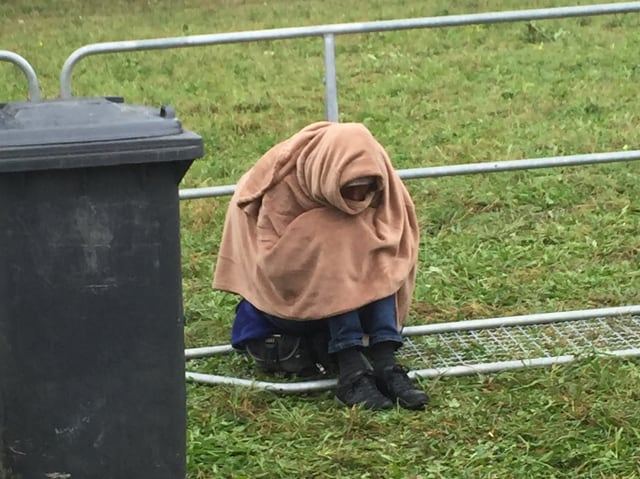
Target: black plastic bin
[{"x": 91, "y": 323}]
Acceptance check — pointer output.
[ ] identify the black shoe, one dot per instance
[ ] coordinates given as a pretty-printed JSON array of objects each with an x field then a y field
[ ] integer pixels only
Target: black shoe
[
  {"x": 394, "y": 383},
  {"x": 359, "y": 388}
]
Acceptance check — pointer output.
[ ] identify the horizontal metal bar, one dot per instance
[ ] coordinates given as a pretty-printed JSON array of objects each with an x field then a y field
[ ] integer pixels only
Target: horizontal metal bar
[
  {"x": 306, "y": 386},
  {"x": 492, "y": 367},
  {"x": 336, "y": 29},
  {"x": 195, "y": 353},
  {"x": 461, "y": 370},
  {"x": 499, "y": 366},
  {"x": 207, "y": 192},
  {"x": 465, "y": 169},
  {"x": 512, "y": 165},
  {"x": 542, "y": 318},
  {"x": 27, "y": 69}
]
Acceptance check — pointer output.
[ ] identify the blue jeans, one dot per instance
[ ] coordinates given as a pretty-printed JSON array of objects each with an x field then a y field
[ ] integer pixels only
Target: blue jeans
[{"x": 347, "y": 330}]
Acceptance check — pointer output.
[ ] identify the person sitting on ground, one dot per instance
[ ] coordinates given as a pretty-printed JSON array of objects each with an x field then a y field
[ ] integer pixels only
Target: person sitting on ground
[{"x": 322, "y": 233}]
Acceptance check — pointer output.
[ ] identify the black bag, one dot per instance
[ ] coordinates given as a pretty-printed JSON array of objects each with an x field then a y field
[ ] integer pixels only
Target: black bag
[{"x": 291, "y": 354}]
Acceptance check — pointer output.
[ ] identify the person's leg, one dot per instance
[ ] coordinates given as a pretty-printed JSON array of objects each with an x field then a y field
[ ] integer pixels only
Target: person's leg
[
  {"x": 345, "y": 332},
  {"x": 356, "y": 384},
  {"x": 379, "y": 321}
]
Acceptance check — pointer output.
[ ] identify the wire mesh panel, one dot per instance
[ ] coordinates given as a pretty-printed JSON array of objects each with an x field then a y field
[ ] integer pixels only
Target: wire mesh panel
[
  {"x": 456, "y": 352},
  {"x": 583, "y": 337}
]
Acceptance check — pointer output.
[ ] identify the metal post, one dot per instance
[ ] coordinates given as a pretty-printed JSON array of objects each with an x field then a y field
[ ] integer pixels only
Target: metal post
[{"x": 330, "y": 81}]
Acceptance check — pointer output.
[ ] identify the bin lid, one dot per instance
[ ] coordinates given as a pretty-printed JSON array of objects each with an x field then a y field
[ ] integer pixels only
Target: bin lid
[
  {"x": 81, "y": 132},
  {"x": 81, "y": 120}
]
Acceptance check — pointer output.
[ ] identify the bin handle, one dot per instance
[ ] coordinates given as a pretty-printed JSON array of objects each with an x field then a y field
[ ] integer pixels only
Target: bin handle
[{"x": 27, "y": 69}]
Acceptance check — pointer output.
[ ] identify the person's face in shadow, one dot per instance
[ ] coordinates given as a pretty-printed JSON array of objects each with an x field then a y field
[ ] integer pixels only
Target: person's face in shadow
[{"x": 355, "y": 193}]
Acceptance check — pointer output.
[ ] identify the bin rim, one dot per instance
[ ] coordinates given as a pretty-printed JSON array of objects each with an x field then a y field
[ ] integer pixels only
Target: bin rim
[{"x": 82, "y": 120}]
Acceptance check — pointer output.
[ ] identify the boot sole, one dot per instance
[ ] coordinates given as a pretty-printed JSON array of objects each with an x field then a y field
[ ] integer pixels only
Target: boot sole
[
  {"x": 419, "y": 406},
  {"x": 365, "y": 406}
]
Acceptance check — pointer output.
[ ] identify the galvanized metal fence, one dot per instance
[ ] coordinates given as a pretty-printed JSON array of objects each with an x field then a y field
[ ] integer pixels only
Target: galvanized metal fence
[
  {"x": 476, "y": 346},
  {"x": 518, "y": 341},
  {"x": 464, "y": 347},
  {"x": 328, "y": 34}
]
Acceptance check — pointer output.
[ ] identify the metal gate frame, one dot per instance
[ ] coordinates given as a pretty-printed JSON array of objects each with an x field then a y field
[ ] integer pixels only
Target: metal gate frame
[
  {"x": 587, "y": 320},
  {"x": 508, "y": 343},
  {"x": 328, "y": 33},
  {"x": 27, "y": 69}
]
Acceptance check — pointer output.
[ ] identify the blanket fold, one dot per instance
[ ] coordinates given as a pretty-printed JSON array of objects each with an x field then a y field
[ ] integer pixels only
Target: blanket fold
[{"x": 296, "y": 248}]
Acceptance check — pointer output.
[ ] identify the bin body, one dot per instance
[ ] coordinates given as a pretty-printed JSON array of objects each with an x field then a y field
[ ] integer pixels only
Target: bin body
[{"x": 91, "y": 321}]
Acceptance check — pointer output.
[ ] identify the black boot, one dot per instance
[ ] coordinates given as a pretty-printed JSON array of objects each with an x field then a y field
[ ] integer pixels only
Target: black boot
[
  {"x": 394, "y": 383},
  {"x": 359, "y": 388},
  {"x": 356, "y": 384}
]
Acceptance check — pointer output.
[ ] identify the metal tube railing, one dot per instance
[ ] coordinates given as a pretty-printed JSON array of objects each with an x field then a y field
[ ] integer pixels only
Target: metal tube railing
[
  {"x": 465, "y": 169},
  {"x": 27, "y": 69},
  {"x": 522, "y": 320},
  {"x": 336, "y": 29},
  {"x": 461, "y": 370}
]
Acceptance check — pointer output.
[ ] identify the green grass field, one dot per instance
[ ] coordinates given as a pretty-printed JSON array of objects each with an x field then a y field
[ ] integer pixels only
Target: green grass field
[{"x": 492, "y": 245}]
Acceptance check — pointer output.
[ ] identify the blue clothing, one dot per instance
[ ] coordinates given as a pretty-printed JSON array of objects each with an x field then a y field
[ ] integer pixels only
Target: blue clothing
[
  {"x": 377, "y": 320},
  {"x": 250, "y": 323}
]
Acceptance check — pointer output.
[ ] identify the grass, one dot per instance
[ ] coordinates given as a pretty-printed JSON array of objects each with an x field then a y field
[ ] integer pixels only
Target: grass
[{"x": 492, "y": 245}]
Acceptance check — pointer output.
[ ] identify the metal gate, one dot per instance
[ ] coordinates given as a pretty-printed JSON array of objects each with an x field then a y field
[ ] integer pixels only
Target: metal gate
[{"x": 456, "y": 348}]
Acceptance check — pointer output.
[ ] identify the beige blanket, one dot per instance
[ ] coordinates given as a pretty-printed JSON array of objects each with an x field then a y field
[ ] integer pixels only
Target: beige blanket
[{"x": 295, "y": 248}]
